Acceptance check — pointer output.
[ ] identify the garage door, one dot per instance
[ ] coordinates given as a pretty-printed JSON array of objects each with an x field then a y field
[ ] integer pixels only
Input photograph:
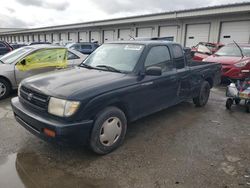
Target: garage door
[
  {"x": 73, "y": 37},
  {"x": 197, "y": 33},
  {"x": 145, "y": 32},
  {"x": 36, "y": 38},
  {"x": 64, "y": 37},
  {"x": 83, "y": 36},
  {"x": 42, "y": 38},
  {"x": 26, "y": 38},
  {"x": 235, "y": 31},
  {"x": 169, "y": 32},
  {"x": 125, "y": 34},
  {"x": 95, "y": 36},
  {"x": 48, "y": 38},
  {"x": 55, "y": 37},
  {"x": 108, "y": 36},
  {"x": 30, "y": 38}
]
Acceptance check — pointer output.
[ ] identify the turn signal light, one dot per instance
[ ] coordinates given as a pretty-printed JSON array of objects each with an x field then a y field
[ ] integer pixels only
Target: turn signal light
[{"x": 49, "y": 132}]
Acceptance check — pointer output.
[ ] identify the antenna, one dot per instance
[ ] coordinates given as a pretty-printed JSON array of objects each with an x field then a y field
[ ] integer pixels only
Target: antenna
[{"x": 242, "y": 55}]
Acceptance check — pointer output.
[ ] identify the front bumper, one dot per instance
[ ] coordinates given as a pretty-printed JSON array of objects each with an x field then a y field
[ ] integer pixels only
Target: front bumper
[
  {"x": 35, "y": 123},
  {"x": 230, "y": 71}
]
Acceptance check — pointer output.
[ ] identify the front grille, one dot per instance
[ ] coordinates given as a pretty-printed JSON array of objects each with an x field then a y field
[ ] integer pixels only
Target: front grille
[{"x": 34, "y": 98}]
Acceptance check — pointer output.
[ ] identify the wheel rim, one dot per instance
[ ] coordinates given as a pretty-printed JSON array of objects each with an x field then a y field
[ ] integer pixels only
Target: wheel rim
[
  {"x": 110, "y": 131},
  {"x": 204, "y": 95},
  {"x": 2, "y": 89}
]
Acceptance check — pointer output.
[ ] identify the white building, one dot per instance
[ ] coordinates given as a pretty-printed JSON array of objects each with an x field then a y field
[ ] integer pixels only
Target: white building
[{"x": 223, "y": 24}]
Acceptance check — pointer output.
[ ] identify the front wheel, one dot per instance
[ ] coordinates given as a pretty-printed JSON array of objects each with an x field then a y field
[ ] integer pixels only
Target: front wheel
[
  {"x": 4, "y": 89},
  {"x": 204, "y": 93},
  {"x": 108, "y": 131},
  {"x": 229, "y": 103}
]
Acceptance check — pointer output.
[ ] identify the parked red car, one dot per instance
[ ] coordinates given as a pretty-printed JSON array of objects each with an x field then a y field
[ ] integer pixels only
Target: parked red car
[
  {"x": 235, "y": 60},
  {"x": 204, "y": 49}
]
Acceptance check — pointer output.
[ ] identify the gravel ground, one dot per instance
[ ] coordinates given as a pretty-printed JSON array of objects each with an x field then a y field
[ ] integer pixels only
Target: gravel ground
[{"x": 182, "y": 146}]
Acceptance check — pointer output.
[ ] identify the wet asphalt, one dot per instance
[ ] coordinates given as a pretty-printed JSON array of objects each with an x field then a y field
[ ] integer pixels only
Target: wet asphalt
[{"x": 181, "y": 147}]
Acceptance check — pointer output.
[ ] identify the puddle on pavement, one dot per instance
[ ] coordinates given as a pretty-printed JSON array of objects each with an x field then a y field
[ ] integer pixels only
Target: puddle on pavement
[{"x": 26, "y": 170}]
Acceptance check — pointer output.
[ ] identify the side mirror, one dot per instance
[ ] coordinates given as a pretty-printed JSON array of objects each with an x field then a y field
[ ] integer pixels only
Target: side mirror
[
  {"x": 154, "y": 71},
  {"x": 23, "y": 62}
]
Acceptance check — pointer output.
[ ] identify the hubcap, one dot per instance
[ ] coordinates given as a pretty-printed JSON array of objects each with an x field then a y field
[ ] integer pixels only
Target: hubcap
[
  {"x": 110, "y": 131},
  {"x": 2, "y": 89}
]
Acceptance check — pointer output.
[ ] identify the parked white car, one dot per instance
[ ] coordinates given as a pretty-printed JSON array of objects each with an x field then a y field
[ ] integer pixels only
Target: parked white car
[{"x": 31, "y": 60}]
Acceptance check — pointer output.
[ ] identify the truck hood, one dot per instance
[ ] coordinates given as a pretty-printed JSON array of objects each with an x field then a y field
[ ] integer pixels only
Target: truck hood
[
  {"x": 76, "y": 83},
  {"x": 225, "y": 59}
]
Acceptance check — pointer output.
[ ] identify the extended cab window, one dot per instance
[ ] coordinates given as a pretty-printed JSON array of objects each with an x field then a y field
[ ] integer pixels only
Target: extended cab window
[
  {"x": 159, "y": 56},
  {"x": 178, "y": 56}
]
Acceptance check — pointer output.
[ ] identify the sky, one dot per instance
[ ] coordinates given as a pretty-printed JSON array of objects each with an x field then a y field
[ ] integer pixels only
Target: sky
[{"x": 41, "y": 13}]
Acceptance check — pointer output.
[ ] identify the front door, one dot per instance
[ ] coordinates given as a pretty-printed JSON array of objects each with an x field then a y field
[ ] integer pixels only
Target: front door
[
  {"x": 40, "y": 61},
  {"x": 158, "y": 92}
]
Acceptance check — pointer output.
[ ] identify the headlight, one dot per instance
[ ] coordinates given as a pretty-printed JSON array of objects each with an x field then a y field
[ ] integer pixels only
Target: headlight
[
  {"x": 62, "y": 108},
  {"x": 241, "y": 64},
  {"x": 18, "y": 90},
  {"x": 203, "y": 59}
]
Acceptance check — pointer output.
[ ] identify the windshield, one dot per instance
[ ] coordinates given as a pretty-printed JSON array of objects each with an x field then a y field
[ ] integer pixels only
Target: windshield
[
  {"x": 15, "y": 55},
  {"x": 122, "y": 57},
  {"x": 233, "y": 50}
]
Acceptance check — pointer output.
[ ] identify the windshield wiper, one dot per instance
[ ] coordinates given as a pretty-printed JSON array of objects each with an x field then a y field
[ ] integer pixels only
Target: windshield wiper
[
  {"x": 109, "y": 68},
  {"x": 1, "y": 62},
  {"x": 86, "y": 66}
]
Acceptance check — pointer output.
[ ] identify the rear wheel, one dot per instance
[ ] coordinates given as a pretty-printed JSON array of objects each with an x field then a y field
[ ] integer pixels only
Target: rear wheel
[
  {"x": 108, "y": 131},
  {"x": 4, "y": 89},
  {"x": 229, "y": 103},
  {"x": 237, "y": 101},
  {"x": 202, "y": 98}
]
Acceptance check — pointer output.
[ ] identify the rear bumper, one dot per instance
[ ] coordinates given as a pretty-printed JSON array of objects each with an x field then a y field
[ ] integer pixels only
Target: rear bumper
[
  {"x": 36, "y": 123},
  {"x": 233, "y": 72}
]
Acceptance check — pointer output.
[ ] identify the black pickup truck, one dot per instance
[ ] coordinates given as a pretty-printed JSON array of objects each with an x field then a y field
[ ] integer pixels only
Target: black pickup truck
[{"x": 119, "y": 83}]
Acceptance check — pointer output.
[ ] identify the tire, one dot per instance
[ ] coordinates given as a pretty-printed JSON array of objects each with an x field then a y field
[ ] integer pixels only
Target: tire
[
  {"x": 248, "y": 107},
  {"x": 237, "y": 101},
  {"x": 229, "y": 103},
  {"x": 112, "y": 121},
  {"x": 203, "y": 96},
  {"x": 5, "y": 88}
]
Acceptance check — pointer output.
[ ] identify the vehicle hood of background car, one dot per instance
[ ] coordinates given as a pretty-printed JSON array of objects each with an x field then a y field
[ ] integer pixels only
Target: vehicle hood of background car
[
  {"x": 225, "y": 59},
  {"x": 77, "y": 83},
  {"x": 4, "y": 68}
]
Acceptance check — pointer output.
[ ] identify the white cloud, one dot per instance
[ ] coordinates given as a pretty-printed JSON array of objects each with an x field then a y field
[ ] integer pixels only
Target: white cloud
[{"x": 39, "y": 13}]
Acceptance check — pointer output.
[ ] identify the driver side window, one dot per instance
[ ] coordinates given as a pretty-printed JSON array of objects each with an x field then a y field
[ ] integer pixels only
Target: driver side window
[{"x": 159, "y": 56}]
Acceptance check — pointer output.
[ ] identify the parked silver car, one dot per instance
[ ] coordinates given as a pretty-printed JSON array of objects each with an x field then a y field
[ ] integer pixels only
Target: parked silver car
[{"x": 31, "y": 60}]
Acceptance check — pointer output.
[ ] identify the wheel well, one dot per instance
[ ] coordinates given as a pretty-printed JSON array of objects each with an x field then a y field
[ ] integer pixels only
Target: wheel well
[
  {"x": 7, "y": 80},
  {"x": 210, "y": 81},
  {"x": 122, "y": 107}
]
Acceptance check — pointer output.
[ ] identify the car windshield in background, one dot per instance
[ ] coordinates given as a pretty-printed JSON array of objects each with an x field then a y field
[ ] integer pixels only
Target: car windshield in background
[
  {"x": 233, "y": 50},
  {"x": 122, "y": 57},
  {"x": 15, "y": 55}
]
